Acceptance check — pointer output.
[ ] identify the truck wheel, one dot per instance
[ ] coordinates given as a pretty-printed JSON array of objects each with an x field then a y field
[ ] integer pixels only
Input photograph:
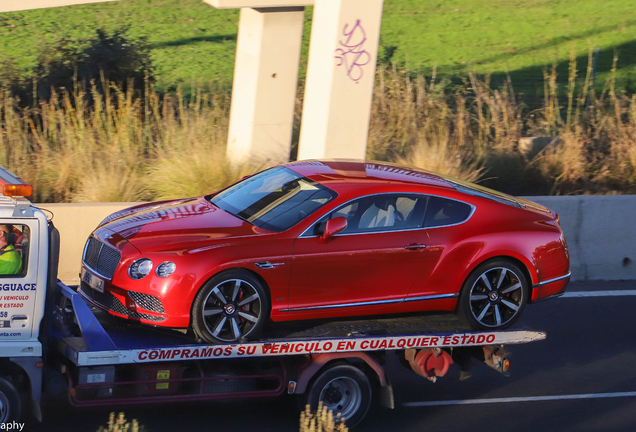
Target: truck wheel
[
  {"x": 493, "y": 296},
  {"x": 344, "y": 390},
  {"x": 9, "y": 402},
  {"x": 233, "y": 305}
]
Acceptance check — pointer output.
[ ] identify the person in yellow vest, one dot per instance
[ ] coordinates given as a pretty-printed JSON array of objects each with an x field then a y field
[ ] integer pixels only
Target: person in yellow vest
[{"x": 10, "y": 259}]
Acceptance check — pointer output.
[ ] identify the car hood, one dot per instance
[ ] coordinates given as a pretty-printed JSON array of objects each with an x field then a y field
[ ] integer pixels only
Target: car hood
[{"x": 173, "y": 225}]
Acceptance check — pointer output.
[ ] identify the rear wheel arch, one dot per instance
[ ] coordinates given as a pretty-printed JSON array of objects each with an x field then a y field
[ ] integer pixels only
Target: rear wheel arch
[
  {"x": 529, "y": 271},
  {"x": 523, "y": 266}
]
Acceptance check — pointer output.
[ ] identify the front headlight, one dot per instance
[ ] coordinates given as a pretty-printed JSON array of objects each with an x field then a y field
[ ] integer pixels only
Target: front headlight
[
  {"x": 140, "y": 268},
  {"x": 166, "y": 269}
]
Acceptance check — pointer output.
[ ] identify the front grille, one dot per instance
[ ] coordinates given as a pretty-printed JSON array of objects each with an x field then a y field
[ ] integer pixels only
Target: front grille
[
  {"x": 147, "y": 301},
  {"x": 112, "y": 303},
  {"x": 101, "y": 257}
]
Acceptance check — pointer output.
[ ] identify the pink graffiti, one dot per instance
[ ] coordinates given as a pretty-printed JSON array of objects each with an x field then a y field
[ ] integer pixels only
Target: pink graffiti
[{"x": 351, "y": 53}]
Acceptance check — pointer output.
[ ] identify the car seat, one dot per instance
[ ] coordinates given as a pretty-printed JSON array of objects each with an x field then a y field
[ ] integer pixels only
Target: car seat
[{"x": 381, "y": 213}]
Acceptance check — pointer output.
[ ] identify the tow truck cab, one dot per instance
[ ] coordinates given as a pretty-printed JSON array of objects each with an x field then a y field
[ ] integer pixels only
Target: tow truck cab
[{"x": 34, "y": 239}]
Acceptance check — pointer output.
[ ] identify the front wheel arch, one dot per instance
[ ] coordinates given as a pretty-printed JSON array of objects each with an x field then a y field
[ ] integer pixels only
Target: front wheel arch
[
  {"x": 245, "y": 269},
  {"x": 10, "y": 402}
]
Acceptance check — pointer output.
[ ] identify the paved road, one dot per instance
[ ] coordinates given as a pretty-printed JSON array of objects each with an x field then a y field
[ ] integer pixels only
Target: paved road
[{"x": 589, "y": 354}]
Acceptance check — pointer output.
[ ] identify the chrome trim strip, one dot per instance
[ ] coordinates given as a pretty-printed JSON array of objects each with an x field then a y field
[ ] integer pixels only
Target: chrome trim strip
[
  {"x": 549, "y": 281},
  {"x": 370, "y": 303},
  {"x": 472, "y": 212},
  {"x": 374, "y": 232},
  {"x": 267, "y": 265},
  {"x": 432, "y": 297},
  {"x": 96, "y": 273}
]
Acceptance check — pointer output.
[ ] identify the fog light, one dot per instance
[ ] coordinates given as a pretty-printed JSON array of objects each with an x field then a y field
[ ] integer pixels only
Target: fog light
[{"x": 166, "y": 269}]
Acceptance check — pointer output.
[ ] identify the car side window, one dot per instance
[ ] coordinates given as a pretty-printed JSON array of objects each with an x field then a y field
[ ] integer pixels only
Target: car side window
[
  {"x": 378, "y": 213},
  {"x": 14, "y": 250},
  {"x": 442, "y": 212}
]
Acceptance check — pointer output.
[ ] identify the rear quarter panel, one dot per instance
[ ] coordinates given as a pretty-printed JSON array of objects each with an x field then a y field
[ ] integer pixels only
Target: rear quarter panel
[{"x": 494, "y": 230}]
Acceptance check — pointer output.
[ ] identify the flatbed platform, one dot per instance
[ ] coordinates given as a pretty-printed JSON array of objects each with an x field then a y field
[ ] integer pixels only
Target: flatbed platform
[{"x": 114, "y": 341}]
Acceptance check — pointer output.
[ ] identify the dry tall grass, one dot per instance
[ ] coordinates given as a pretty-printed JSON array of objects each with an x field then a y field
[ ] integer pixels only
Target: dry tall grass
[
  {"x": 121, "y": 148},
  {"x": 473, "y": 132},
  {"x": 126, "y": 148}
]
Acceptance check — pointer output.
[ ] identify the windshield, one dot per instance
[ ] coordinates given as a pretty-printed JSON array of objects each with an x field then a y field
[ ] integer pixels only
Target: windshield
[{"x": 275, "y": 199}]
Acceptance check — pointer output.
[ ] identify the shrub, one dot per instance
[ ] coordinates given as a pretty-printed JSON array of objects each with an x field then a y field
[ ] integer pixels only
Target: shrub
[
  {"x": 76, "y": 65},
  {"x": 120, "y": 424},
  {"x": 321, "y": 421}
]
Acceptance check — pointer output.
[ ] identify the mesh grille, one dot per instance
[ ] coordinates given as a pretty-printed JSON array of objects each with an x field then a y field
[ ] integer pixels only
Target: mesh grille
[
  {"x": 111, "y": 303},
  {"x": 101, "y": 258},
  {"x": 147, "y": 301}
]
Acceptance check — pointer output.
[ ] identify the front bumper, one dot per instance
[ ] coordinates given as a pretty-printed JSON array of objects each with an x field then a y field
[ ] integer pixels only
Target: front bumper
[{"x": 112, "y": 304}]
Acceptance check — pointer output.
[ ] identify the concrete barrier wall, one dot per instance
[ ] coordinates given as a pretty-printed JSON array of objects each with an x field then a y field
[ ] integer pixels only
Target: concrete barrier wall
[
  {"x": 601, "y": 234},
  {"x": 600, "y": 231}
]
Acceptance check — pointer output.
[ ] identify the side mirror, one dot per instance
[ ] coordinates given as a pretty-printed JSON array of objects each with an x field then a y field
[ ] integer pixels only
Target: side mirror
[{"x": 333, "y": 227}]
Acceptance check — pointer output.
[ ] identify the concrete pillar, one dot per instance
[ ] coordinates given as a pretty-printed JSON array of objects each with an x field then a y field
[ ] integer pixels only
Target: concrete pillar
[
  {"x": 340, "y": 77},
  {"x": 265, "y": 82}
]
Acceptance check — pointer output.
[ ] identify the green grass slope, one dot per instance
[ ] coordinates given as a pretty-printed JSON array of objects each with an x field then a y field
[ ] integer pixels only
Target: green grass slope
[{"x": 194, "y": 42}]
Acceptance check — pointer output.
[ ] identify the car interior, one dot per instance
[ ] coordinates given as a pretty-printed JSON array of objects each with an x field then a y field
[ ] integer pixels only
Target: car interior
[{"x": 397, "y": 212}]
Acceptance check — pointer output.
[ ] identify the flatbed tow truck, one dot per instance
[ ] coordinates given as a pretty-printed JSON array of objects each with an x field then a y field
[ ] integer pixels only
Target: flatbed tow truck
[{"x": 52, "y": 341}]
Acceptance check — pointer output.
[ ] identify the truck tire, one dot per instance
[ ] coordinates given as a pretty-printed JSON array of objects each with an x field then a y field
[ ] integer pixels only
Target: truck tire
[
  {"x": 343, "y": 389},
  {"x": 10, "y": 406}
]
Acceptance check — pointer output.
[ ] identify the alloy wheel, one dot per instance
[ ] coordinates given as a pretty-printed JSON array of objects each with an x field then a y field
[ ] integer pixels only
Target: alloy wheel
[
  {"x": 231, "y": 310},
  {"x": 496, "y": 297}
]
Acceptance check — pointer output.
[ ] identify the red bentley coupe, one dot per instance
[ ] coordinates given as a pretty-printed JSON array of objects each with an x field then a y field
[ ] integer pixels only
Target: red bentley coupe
[{"x": 326, "y": 239}]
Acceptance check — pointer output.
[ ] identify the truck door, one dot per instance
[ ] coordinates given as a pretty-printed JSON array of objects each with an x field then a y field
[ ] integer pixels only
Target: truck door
[{"x": 18, "y": 278}]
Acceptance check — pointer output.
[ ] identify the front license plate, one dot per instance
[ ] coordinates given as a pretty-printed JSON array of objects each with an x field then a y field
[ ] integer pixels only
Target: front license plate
[{"x": 93, "y": 281}]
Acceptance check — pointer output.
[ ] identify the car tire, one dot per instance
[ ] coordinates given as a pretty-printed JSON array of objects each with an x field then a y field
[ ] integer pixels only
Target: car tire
[
  {"x": 493, "y": 296},
  {"x": 343, "y": 389},
  {"x": 231, "y": 306},
  {"x": 10, "y": 405}
]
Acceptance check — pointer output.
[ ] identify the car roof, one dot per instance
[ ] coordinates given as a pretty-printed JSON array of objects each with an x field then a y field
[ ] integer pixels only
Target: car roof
[{"x": 341, "y": 173}]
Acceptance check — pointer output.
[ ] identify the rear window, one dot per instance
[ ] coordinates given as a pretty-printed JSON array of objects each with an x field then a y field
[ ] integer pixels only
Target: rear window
[
  {"x": 442, "y": 212},
  {"x": 483, "y": 192}
]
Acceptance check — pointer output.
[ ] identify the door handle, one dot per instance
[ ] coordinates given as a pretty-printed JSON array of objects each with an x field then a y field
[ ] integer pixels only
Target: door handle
[{"x": 414, "y": 246}]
